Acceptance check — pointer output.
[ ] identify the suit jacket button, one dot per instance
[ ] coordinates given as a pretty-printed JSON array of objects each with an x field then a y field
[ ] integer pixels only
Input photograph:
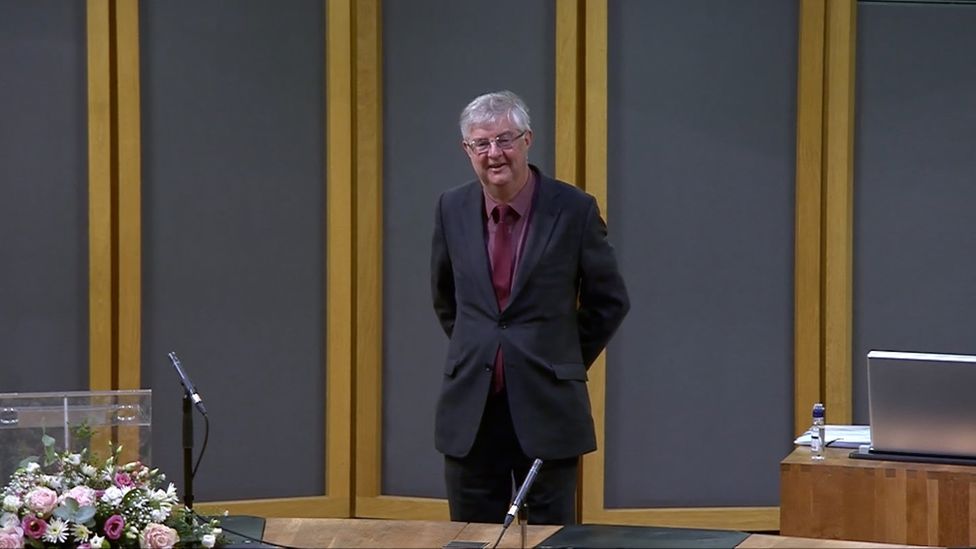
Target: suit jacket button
[{"x": 504, "y": 325}]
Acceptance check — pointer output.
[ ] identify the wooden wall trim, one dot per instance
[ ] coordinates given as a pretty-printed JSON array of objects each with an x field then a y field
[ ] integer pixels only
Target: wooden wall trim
[
  {"x": 305, "y": 507},
  {"x": 569, "y": 91},
  {"x": 367, "y": 134},
  {"x": 129, "y": 211},
  {"x": 340, "y": 316},
  {"x": 100, "y": 283},
  {"x": 808, "y": 243},
  {"x": 591, "y": 501},
  {"x": 592, "y": 486},
  {"x": 838, "y": 221}
]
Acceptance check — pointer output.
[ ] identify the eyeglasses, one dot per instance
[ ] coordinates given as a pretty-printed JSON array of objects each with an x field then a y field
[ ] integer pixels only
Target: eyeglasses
[{"x": 504, "y": 142}]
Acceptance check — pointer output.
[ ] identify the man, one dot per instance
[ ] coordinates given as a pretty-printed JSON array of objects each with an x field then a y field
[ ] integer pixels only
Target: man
[{"x": 526, "y": 287}]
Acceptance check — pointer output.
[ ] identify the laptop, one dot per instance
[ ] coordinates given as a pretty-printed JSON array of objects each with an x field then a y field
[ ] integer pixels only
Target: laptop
[{"x": 922, "y": 404}]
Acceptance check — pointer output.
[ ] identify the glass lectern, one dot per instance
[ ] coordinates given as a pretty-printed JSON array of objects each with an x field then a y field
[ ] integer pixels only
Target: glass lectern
[{"x": 76, "y": 420}]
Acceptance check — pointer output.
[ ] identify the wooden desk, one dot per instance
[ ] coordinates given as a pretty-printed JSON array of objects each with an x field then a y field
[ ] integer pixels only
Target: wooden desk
[
  {"x": 882, "y": 501},
  {"x": 351, "y": 533},
  {"x": 325, "y": 532}
]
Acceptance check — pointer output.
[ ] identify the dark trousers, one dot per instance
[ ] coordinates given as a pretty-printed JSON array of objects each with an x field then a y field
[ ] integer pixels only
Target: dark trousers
[{"x": 481, "y": 485}]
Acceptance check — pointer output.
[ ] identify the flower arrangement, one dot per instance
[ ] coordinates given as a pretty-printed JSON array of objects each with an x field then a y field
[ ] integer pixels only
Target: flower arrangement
[{"x": 78, "y": 500}]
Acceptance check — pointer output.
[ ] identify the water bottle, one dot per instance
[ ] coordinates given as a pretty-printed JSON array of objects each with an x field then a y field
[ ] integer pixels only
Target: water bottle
[{"x": 817, "y": 433}]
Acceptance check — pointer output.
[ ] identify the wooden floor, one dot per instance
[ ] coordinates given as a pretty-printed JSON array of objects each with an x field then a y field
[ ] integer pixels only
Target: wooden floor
[{"x": 352, "y": 533}]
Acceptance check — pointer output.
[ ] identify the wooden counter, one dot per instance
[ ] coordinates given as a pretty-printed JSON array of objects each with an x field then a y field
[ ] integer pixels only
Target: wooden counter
[
  {"x": 351, "y": 533},
  {"x": 880, "y": 501}
]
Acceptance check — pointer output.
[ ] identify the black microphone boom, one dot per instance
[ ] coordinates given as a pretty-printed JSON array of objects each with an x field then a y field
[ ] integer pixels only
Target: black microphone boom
[
  {"x": 187, "y": 384},
  {"x": 523, "y": 491}
]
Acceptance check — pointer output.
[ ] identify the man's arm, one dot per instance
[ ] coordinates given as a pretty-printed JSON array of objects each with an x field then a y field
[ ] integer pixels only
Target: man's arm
[
  {"x": 603, "y": 300},
  {"x": 442, "y": 276}
]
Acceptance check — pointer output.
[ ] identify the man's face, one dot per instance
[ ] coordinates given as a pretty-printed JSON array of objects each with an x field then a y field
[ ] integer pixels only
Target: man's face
[{"x": 503, "y": 166}]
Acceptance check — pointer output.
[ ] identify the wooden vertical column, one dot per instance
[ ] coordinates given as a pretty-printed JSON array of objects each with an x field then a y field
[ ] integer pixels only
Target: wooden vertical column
[
  {"x": 368, "y": 139},
  {"x": 340, "y": 317},
  {"x": 808, "y": 336},
  {"x": 569, "y": 91},
  {"x": 824, "y": 204},
  {"x": 114, "y": 195},
  {"x": 594, "y": 181},
  {"x": 101, "y": 299},
  {"x": 128, "y": 147},
  {"x": 838, "y": 149}
]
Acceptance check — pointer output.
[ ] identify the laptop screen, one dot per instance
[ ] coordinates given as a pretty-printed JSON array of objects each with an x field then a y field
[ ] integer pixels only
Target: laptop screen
[{"x": 922, "y": 403}]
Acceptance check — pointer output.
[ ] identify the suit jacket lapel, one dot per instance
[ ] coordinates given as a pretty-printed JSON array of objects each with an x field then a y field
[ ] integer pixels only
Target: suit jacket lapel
[
  {"x": 473, "y": 225},
  {"x": 545, "y": 212}
]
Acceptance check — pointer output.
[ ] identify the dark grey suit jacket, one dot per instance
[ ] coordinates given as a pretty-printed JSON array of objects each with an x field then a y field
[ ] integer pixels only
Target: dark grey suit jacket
[{"x": 567, "y": 300}]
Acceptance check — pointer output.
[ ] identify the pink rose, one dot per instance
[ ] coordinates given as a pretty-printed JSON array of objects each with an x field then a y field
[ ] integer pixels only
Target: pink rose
[
  {"x": 82, "y": 494},
  {"x": 9, "y": 540},
  {"x": 114, "y": 526},
  {"x": 122, "y": 480},
  {"x": 33, "y": 527},
  {"x": 42, "y": 500},
  {"x": 159, "y": 536}
]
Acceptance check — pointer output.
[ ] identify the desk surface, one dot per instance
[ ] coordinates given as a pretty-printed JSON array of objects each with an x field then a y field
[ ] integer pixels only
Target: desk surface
[{"x": 325, "y": 532}]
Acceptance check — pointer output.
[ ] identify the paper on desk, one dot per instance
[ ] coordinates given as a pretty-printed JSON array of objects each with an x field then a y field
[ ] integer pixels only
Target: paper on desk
[{"x": 841, "y": 436}]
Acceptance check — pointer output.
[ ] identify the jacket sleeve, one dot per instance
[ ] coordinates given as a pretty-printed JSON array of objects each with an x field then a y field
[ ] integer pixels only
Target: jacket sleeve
[
  {"x": 442, "y": 275},
  {"x": 603, "y": 300}
]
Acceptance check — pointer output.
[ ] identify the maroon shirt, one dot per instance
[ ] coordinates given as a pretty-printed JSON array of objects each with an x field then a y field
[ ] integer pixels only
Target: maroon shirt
[{"x": 522, "y": 203}]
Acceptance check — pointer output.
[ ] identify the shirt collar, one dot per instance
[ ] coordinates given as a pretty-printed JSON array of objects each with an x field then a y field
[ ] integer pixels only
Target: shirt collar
[{"x": 522, "y": 201}]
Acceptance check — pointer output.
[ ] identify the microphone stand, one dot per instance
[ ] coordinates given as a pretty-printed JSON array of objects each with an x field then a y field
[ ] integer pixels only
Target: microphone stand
[
  {"x": 523, "y": 518},
  {"x": 188, "y": 454},
  {"x": 518, "y": 505}
]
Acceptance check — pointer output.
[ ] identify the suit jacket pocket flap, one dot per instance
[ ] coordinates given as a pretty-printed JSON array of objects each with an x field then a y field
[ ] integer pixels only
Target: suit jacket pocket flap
[{"x": 572, "y": 370}]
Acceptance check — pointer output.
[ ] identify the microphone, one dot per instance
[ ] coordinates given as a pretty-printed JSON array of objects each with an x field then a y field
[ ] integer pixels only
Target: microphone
[
  {"x": 191, "y": 391},
  {"x": 522, "y": 492}
]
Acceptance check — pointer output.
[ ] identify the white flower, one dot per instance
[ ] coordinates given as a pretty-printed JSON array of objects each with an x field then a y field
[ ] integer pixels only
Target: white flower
[
  {"x": 158, "y": 515},
  {"x": 57, "y": 531},
  {"x": 11, "y": 503},
  {"x": 208, "y": 540},
  {"x": 88, "y": 470},
  {"x": 165, "y": 498},
  {"x": 112, "y": 495},
  {"x": 96, "y": 541},
  {"x": 9, "y": 521},
  {"x": 53, "y": 481},
  {"x": 33, "y": 466},
  {"x": 81, "y": 532},
  {"x": 74, "y": 459}
]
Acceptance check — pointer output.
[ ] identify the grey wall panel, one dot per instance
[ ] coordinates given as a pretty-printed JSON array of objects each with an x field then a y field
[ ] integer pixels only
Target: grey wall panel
[
  {"x": 43, "y": 197},
  {"x": 915, "y": 156},
  {"x": 701, "y": 200},
  {"x": 234, "y": 238},
  {"x": 438, "y": 55}
]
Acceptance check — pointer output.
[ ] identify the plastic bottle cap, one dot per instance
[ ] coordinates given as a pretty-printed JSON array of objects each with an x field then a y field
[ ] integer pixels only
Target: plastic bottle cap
[{"x": 818, "y": 410}]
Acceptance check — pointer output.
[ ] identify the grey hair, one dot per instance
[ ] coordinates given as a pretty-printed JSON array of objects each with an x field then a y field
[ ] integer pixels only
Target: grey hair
[{"x": 492, "y": 107}]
